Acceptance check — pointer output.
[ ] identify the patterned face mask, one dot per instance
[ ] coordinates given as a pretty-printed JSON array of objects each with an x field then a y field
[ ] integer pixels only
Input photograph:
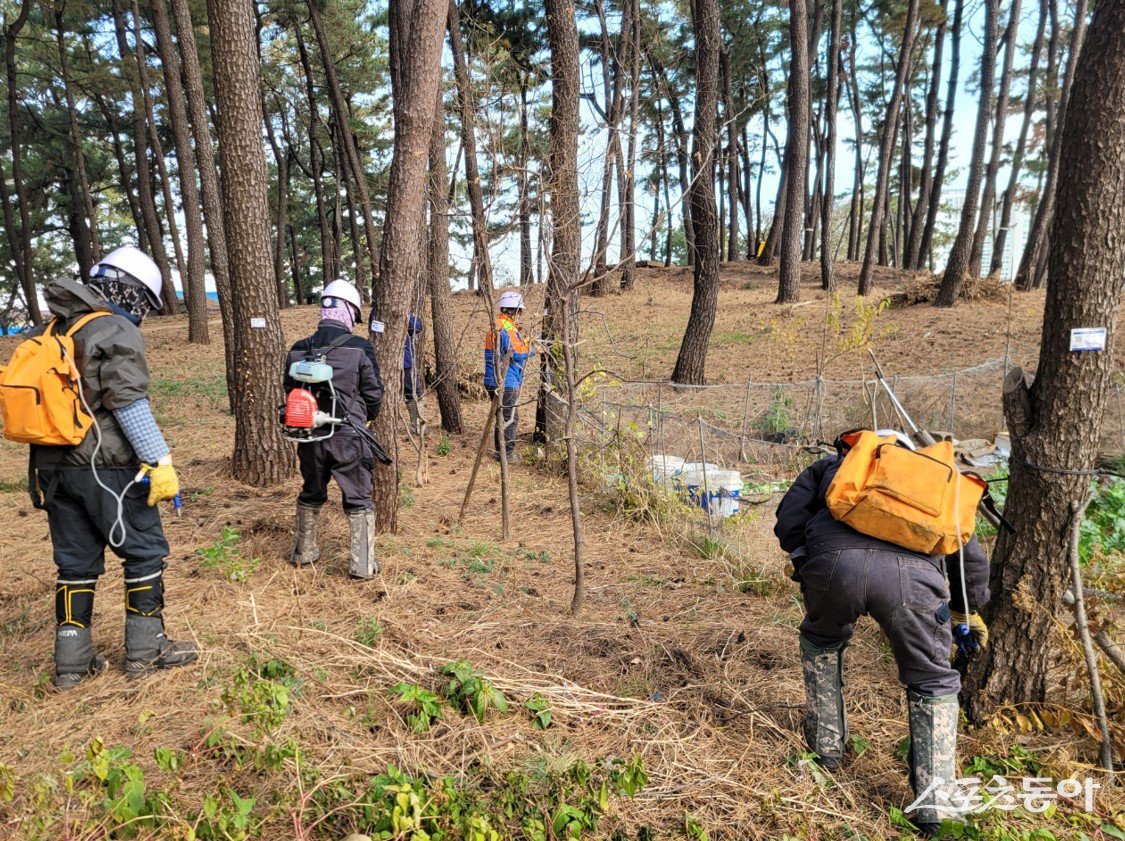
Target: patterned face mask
[
  {"x": 337, "y": 309},
  {"x": 123, "y": 290}
]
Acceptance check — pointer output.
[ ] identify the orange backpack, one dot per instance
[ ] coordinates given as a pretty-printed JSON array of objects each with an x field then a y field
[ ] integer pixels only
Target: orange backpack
[
  {"x": 916, "y": 499},
  {"x": 39, "y": 400}
]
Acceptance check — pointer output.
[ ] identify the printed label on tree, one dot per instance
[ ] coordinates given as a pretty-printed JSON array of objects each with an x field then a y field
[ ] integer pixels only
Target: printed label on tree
[
  {"x": 258, "y": 323},
  {"x": 377, "y": 326},
  {"x": 1087, "y": 338}
]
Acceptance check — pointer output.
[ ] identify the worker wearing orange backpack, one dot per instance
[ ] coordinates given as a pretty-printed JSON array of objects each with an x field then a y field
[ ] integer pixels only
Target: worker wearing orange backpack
[
  {"x": 98, "y": 464},
  {"x": 870, "y": 532}
]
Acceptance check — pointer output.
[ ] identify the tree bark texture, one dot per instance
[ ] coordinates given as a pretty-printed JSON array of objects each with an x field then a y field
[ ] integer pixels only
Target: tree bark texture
[
  {"x": 1055, "y": 423},
  {"x": 827, "y": 258},
  {"x": 416, "y": 40},
  {"x": 796, "y": 156},
  {"x": 261, "y": 456},
  {"x": 195, "y": 286},
  {"x": 437, "y": 274},
  {"x": 691, "y": 363},
  {"x": 959, "y": 263}
]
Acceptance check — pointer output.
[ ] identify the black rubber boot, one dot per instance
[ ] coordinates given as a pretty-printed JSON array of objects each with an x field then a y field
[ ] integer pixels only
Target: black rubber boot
[
  {"x": 147, "y": 650},
  {"x": 75, "y": 658}
]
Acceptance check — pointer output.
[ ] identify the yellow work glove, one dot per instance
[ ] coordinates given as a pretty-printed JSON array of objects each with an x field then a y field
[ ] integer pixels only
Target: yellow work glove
[
  {"x": 163, "y": 482},
  {"x": 978, "y": 630}
]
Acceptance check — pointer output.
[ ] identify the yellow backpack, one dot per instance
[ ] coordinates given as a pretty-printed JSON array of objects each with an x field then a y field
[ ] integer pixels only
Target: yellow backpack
[
  {"x": 916, "y": 499},
  {"x": 39, "y": 400}
]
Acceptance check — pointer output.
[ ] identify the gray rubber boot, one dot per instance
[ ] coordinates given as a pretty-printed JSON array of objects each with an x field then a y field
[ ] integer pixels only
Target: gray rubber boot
[
  {"x": 75, "y": 658},
  {"x": 416, "y": 420},
  {"x": 305, "y": 551},
  {"x": 147, "y": 650},
  {"x": 362, "y": 562},
  {"x": 826, "y": 721},
  {"x": 933, "y": 759}
]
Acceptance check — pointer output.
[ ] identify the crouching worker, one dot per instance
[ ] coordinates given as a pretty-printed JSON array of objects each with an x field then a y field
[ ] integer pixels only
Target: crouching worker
[
  {"x": 345, "y": 456},
  {"x": 99, "y": 466},
  {"x": 915, "y": 597}
]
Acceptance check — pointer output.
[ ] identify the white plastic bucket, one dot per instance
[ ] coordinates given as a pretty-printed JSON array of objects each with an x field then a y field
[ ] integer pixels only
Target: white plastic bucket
[
  {"x": 665, "y": 468},
  {"x": 712, "y": 489}
]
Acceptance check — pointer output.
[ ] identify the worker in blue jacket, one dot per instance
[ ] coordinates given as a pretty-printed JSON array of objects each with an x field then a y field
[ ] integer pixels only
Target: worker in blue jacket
[
  {"x": 412, "y": 384},
  {"x": 505, "y": 356}
]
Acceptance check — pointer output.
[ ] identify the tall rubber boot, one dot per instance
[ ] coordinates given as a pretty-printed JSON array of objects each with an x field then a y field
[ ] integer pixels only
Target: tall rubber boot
[
  {"x": 75, "y": 658},
  {"x": 416, "y": 421},
  {"x": 147, "y": 649},
  {"x": 826, "y": 721},
  {"x": 933, "y": 759},
  {"x": 305, "y": 551},
  {"x": 362, "y": 562}
]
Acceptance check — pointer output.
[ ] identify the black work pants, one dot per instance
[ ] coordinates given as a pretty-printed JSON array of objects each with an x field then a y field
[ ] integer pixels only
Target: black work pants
[
  {"x": 344, "y": 457},
  {"x": 82, "y": 517},
  {"x": 907, "y": 594}
]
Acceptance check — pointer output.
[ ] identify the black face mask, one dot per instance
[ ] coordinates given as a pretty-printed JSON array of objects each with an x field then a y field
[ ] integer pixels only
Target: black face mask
[{"x": 124, "y": 291}]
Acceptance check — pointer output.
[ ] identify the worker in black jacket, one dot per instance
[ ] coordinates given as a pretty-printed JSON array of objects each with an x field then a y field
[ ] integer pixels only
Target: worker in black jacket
[
  {"x": 346, "y": 456},
  {"x": 915, "y": 599}
]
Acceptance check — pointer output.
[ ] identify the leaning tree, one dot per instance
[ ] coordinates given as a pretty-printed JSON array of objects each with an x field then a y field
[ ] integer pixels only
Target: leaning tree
[{"x": 1055, "y": 420}]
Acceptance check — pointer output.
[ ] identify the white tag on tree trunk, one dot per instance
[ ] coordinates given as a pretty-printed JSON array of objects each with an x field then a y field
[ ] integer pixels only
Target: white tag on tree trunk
[
  {"x": 1087, "y": 338},
  {"x": 377, "y": 326},
  {"x": 258, "y": 323}
]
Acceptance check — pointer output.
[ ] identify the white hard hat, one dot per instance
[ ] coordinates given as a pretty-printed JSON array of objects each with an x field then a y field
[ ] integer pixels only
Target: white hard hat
[
  {"x": 894, "y": 433},
  {"x": 344, "y": 291},
  {"x": 130, "y": 260},
  {"x": 511, "y": 301}
]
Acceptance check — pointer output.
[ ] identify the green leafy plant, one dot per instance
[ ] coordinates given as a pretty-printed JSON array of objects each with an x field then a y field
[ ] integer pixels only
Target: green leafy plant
[
  {"x": 468, "y": 689},
  {"x": 778, "y": 416},
  {"x": 445, "y": 446},
  {"x": 225, "y": 558},
  {"x": 226, "y": 816},
  {"x": 425, "y": 705},
  {"x": 540, "y": 710},
  {"x": 261, "y": 694},
  {"x": 369, "y": 632}
]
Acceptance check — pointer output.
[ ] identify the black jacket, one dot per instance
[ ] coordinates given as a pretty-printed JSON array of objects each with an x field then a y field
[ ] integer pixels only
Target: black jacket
[
  {"x": 806, "y": 527},
  {"x": 355, "y": 372}
]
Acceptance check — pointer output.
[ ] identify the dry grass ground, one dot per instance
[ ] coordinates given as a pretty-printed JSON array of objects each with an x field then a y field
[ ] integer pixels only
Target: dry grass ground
[{"x": 669, "y": 660}]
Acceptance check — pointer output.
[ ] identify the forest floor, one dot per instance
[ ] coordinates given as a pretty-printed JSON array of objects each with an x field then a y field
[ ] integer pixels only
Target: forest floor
[{"x": 685, "y": 658}]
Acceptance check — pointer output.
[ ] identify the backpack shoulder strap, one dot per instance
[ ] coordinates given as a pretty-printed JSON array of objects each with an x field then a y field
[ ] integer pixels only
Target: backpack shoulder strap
[
  {"x": 82, "y": 322},
  {"x": 339, "y": 341}
]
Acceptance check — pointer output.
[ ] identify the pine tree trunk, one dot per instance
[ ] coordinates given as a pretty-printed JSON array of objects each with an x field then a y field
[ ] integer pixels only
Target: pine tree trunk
[
  {"x": 261, "y": 456},
  {"x": 988, "y": 199},
  {"x": 1035, "y": 253},
  {"x": 24, "y": 255},
  {"x": 90, "y": 219},
  {"x": 417, "y": 29},
  {"x": 351, "y": 151},
  {"x": 796, "y": 155},
  {"x": 612, "y": 98},
  {"x": 1056, "y": 423},
  {"x": 209, "y": 185},
  {"x": 731, "y": 118},
  {"x": 330, "y": 264},
  {"x": 628, "y": 259},
  {"x": 692, "y": 359},
  {"x": 1030, "y": 100},
  {"x": 876, "y": 232},
  {"x": 140, "y": 158},
  {"x": 437, "y": 276},
  {"x": 855, "y": 219},
  {"x": 913, "y": 257},
  {"x": 527, "y": 276},
  {"x": 679, "y": 132},
  {"x": 469, "y": 141},
  {"x": 926, "y": 246},
  {"x": 959, "y": 263},
  {"x": 194, "y": 282},
  {"x": 832, "y": 97}
]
